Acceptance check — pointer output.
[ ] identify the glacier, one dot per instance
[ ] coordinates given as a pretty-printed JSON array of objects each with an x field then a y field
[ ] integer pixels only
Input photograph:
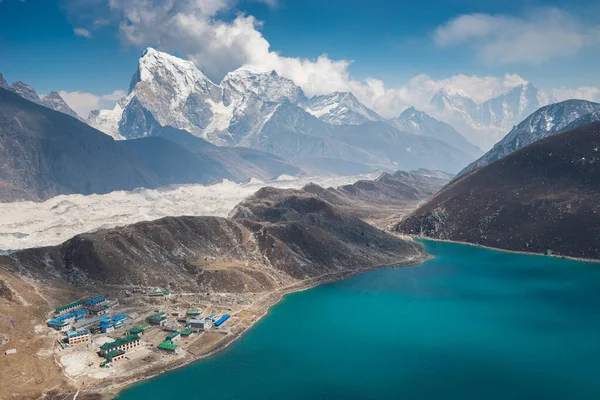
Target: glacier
[{"x": 30, "y": 224}]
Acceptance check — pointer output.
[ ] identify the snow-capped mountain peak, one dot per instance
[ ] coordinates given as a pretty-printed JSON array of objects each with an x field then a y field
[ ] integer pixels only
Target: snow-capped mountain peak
[
  {"x": 544, "y": 122},
  {"x": 54, "y": 101},
  {"x": 3, "y": 83},
  {"x": 484, "y": 123},
  {"x": 25, "y": 91},
  {"x": 180, "y": 74},
  {"x": 164, "y": 91},
  {"x": 267, "y": 85},
  {"x": 341, "y": 108},
  {"x": 420, "y": 123}
]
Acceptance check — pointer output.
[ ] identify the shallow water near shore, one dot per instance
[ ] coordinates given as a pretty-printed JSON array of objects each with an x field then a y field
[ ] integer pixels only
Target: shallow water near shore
[{"x": 471, "y": 323}]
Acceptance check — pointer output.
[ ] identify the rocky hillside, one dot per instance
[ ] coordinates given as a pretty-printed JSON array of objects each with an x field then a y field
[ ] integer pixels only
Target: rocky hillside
[
  {"x": 544, "y": 122},
  {"x": 542, "y": 198},
  {"x": 401, "y": 187},
  {"x": 46, "y": 153},
  {"x": 274, "y": 238}
]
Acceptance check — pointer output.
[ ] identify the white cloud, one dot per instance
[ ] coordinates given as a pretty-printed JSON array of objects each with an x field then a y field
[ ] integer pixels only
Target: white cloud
[
  {"x": 101, "y": 22},
  {"x": 82, "y": 32},
  {"x": 583, "y": 93},
  {"x": 82, "y": 103},
  {"x": 192, "y": 28},
  {"x": 538, "y": 37}
]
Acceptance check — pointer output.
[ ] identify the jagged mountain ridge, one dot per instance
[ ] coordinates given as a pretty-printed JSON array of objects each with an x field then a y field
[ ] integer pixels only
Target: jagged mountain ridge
[
  {"x": 341, "y": 108},
  {"x": 543, "y": 197},
  {"x": 385, "y": 198},
  {"x": 264, "y": 111},
  {"x": 293, "y": 133},
  {"x": 542, "y": 123},
  {"x": 420, "y": 123},
  {"x": 483, "y": 123},
  {"x": 52, "y": 100}
]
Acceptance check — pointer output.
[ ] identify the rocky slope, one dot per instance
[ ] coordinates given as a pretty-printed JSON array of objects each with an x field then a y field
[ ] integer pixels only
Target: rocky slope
[
  {"x": 45, "y": 153},
  {"x": 275, "y": 237},
  {"x": 543, "y": 197},
  {"x": 544, "y": 122},
  {"x": 385, "y": 199},
  {"x": 420, "y": 123}
]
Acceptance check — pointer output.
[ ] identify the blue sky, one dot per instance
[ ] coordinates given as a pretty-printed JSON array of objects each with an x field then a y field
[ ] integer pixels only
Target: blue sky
[{"x": 392, "y": 41}]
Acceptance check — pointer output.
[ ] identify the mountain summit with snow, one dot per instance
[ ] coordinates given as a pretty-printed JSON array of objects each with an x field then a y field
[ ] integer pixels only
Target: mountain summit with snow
[
  {"x": 265, "y": 111},
  {"x": 52, "y": 100},
  {"x": 420, "y": 123},
  {"x": 484, "y": 123},
  {"x": 341, "y": 108},
  {"x": 544, "y": 122}
]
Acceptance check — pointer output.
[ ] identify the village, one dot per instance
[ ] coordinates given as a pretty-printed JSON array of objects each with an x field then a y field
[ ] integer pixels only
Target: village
[{"x": 98, "y": 338}]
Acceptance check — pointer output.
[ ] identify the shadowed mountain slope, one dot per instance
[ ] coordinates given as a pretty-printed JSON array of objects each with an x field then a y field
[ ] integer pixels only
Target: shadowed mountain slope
[{"x": 543, "y": 197}]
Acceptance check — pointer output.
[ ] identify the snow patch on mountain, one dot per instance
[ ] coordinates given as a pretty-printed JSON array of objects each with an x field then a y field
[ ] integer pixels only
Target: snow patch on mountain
[
  {"x": 107, "y": 121},
  {"x": 268, "y": 86}
]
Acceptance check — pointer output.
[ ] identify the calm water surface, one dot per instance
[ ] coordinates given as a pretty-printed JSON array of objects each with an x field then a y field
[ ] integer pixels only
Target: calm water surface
[{"x": 470, "y": 324}]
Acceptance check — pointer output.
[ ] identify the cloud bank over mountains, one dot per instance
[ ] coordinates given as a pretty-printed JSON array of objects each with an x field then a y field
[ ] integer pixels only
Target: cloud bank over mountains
[{"x": 209, "y": 33}]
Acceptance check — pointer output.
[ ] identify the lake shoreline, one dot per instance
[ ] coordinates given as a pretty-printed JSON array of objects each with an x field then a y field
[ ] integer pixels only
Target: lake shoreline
[
  {"x": 531, "y": 253},
  {"x": 113, "y": 389}
]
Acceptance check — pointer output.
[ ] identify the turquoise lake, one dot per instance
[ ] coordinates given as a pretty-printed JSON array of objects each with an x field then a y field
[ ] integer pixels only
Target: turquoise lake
[{"x": 470, "y": 324}]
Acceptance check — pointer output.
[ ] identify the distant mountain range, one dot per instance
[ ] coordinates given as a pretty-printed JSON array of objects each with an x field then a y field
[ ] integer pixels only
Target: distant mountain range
[
  {"x": 484, "y": 123},
  {"x": 341, "y": 108},
  {"x": 52, "y": 100},
  {"x": 542, "y": 123},
  {"x": 46, "y": 153},
  {"x": 420, "y": 123},
  {"x": 544, "y": 197},
  {"x": 265, "y": 111}
]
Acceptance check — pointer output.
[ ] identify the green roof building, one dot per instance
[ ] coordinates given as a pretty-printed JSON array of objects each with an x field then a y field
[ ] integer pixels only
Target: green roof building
[
  {"x": 139, "y": 330},
  {"x": 69, "y": 307},
  {"x": 126, "y": 343},
  {"x": 186, "y": 332},
  {"x": 156, "y": 319},
  {"x": 168, "y": 346},
  {"x": 115, "y": 355},
  {"x": 193, "y": 312}
]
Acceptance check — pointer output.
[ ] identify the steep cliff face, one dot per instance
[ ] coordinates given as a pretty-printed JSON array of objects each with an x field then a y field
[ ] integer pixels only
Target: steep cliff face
[{"x": 544, "y": 197}]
